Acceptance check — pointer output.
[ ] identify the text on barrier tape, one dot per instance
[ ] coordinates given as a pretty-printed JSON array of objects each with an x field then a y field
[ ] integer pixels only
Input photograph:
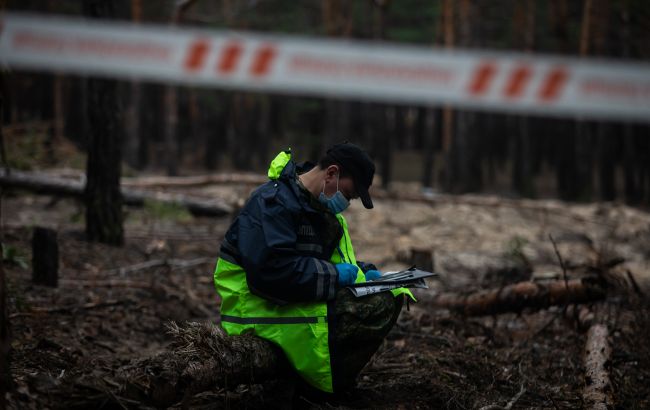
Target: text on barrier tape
[{"x": 513, "y": 82}]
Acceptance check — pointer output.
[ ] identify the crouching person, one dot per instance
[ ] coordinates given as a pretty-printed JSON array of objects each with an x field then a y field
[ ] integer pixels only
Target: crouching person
[{"x": 285, "y": 260}]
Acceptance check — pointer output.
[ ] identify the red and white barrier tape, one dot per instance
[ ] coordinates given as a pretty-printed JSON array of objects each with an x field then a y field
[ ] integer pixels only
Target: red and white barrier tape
[{"x": 514, "y": 82}]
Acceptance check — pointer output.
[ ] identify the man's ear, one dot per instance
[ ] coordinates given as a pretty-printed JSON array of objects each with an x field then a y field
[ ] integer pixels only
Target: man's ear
[{"x": 331, "y": 172}]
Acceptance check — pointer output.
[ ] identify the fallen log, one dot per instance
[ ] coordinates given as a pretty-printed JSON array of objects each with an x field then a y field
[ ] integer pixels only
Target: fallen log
[
  {"x": 158, "y": 181},
  {"x": 45, "y": 184},
  {"x": 201, "y": 358},
  {"x": 597, "y": 393},
  {"x": 554, "y": 207},
  {"x": 196, "y": 180},
  {"x": 522, "y": 295}
]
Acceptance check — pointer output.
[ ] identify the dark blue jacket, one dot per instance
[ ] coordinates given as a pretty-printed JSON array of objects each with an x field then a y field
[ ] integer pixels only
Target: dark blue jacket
[{"x": 284, "y": 239}]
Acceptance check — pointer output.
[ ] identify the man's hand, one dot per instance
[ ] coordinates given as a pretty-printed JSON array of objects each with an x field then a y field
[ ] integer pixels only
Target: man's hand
[
  {"x": 347, "y": 273},
  {"x": 373, "y": 274}
]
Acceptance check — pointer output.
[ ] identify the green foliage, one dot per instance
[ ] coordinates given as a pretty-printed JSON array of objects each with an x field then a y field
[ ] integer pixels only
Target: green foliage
[
  {"x": 514, "y": 250},
  {"x": 16, "y": 297},
  {"x": 13, "y": 256},
  {"x": 31, "y": 147},
  {"x": 412, "y": 21},
  {"x": 161, "y": 210},
  {"x": 127, "y": 171},
  {"x": 78, "y": 216},
  {"x": 72, "y": 159},
  {"x": 25, "y": 151}
]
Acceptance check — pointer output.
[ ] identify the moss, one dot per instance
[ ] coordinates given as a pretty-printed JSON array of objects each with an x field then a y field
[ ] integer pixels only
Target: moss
[
  {"x": 160, "y": 210},
  {"x": 14, "y": 256}
]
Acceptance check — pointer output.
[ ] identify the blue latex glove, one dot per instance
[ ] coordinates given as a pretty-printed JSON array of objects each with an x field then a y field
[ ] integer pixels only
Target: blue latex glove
[
  {"x": 373, "y": 274},
  {"x": 347, "y": 273}
]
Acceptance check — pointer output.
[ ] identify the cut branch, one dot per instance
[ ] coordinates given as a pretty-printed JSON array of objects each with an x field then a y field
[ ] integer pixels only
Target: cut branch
[
  {"x": 523, "y": 295},
  {"x": 598, "y": 388},
  {"x": 202, "y": 357},
  {"x": 45, "y": 184},
  {"x": 508, "y": 406},
  {"x": 559, "y": 258}
]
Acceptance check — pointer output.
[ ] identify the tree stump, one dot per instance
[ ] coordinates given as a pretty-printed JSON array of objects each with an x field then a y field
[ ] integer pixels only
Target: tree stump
[
  {"x": 45, "y": 257},
  {"x": 423, "y": 259}
]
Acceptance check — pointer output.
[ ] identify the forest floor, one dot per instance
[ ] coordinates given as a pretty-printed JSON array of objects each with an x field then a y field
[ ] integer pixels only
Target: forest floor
[{"x": 112, "y": 304}]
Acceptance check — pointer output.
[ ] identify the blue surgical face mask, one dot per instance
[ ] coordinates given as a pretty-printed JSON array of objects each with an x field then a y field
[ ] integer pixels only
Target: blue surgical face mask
[{"x": 337, "y": 203}]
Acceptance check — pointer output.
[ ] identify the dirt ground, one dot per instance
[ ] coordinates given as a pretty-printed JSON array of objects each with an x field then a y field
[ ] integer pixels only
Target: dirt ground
[{"x": 112, "y": 304}]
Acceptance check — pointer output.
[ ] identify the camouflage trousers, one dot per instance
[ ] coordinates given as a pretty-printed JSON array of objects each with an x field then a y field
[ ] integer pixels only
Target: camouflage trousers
[{"x": 357, "y": 329}]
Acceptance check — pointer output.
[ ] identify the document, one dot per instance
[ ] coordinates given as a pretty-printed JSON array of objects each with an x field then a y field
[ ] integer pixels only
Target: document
[{"x": 410, "y": 278}]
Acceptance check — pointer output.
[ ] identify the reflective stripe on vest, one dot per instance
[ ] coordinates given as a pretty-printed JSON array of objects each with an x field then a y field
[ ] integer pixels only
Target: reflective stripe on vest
[
  {"x": 299, "y": 329},
  {"x": 272, "y": 320}
]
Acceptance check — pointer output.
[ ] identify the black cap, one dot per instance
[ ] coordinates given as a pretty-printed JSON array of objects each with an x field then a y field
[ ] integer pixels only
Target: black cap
[{"x": 358, "y": 164}]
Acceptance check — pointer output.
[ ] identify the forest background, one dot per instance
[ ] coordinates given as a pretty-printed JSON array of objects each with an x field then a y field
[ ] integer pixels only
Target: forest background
[{"x": 180, "y": 130}]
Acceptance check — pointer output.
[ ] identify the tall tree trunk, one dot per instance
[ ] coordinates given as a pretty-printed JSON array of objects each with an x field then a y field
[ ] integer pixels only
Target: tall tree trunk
[
  {"x": 194, "y": 126},
  {"x": 133, "y": 111},
  {"x": 464, "y": 159},
  {"x": 171, "y": 103},
  {"x": 606, "y": 162},
  {"x": 216, "y": 132},
  {"x": 522, "y": 175},
  {"x": 630, "y": 166},
  {"x": 43, "y": 109},
  {"x": 606, "y": 152},
  {"x": 522, "y": 159},
  {"x": 252, "y": 129},
  {"x": 5, "y": 337},
  {"x": 565, "y": 155},
  {"x": 59, "y": 113},
  {"x": 631, "y": 186},
  {"x": 54, "y": 108},
  {"x": 263, "y": 130},
  {"x": 383, "y": 114},
  {"x": 386, "y": 140},
  {"x": 76, "y": 121},
  {"x": 134, "y": 141},
  {"x": 338, "y": 23},
  {"x": 585, "y": 28},
  {"x": 242, "y": 129},
  {"x": 431, "y": 122},
  {"x": 644, "y": 159},
  {"x": 461, "y": 152},
  {"x": 563, "y": 147},
  {"x": 584, "y": 161},
  {"x": 559, "y": 16},
  {"x": 428, "y": 118},
  {"x": 584, "y": 143},
  {"x": 151, "y": 125},
  {"x": 403, "y": 141},
  {"x": 171, "y": 122},
  {"x": 103, "y": 198},
  {"x": 447, "y": 113}
]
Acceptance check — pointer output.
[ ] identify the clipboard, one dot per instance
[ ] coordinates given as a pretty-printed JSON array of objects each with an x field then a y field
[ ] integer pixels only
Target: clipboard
[{"x": 410, "y": 278}]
